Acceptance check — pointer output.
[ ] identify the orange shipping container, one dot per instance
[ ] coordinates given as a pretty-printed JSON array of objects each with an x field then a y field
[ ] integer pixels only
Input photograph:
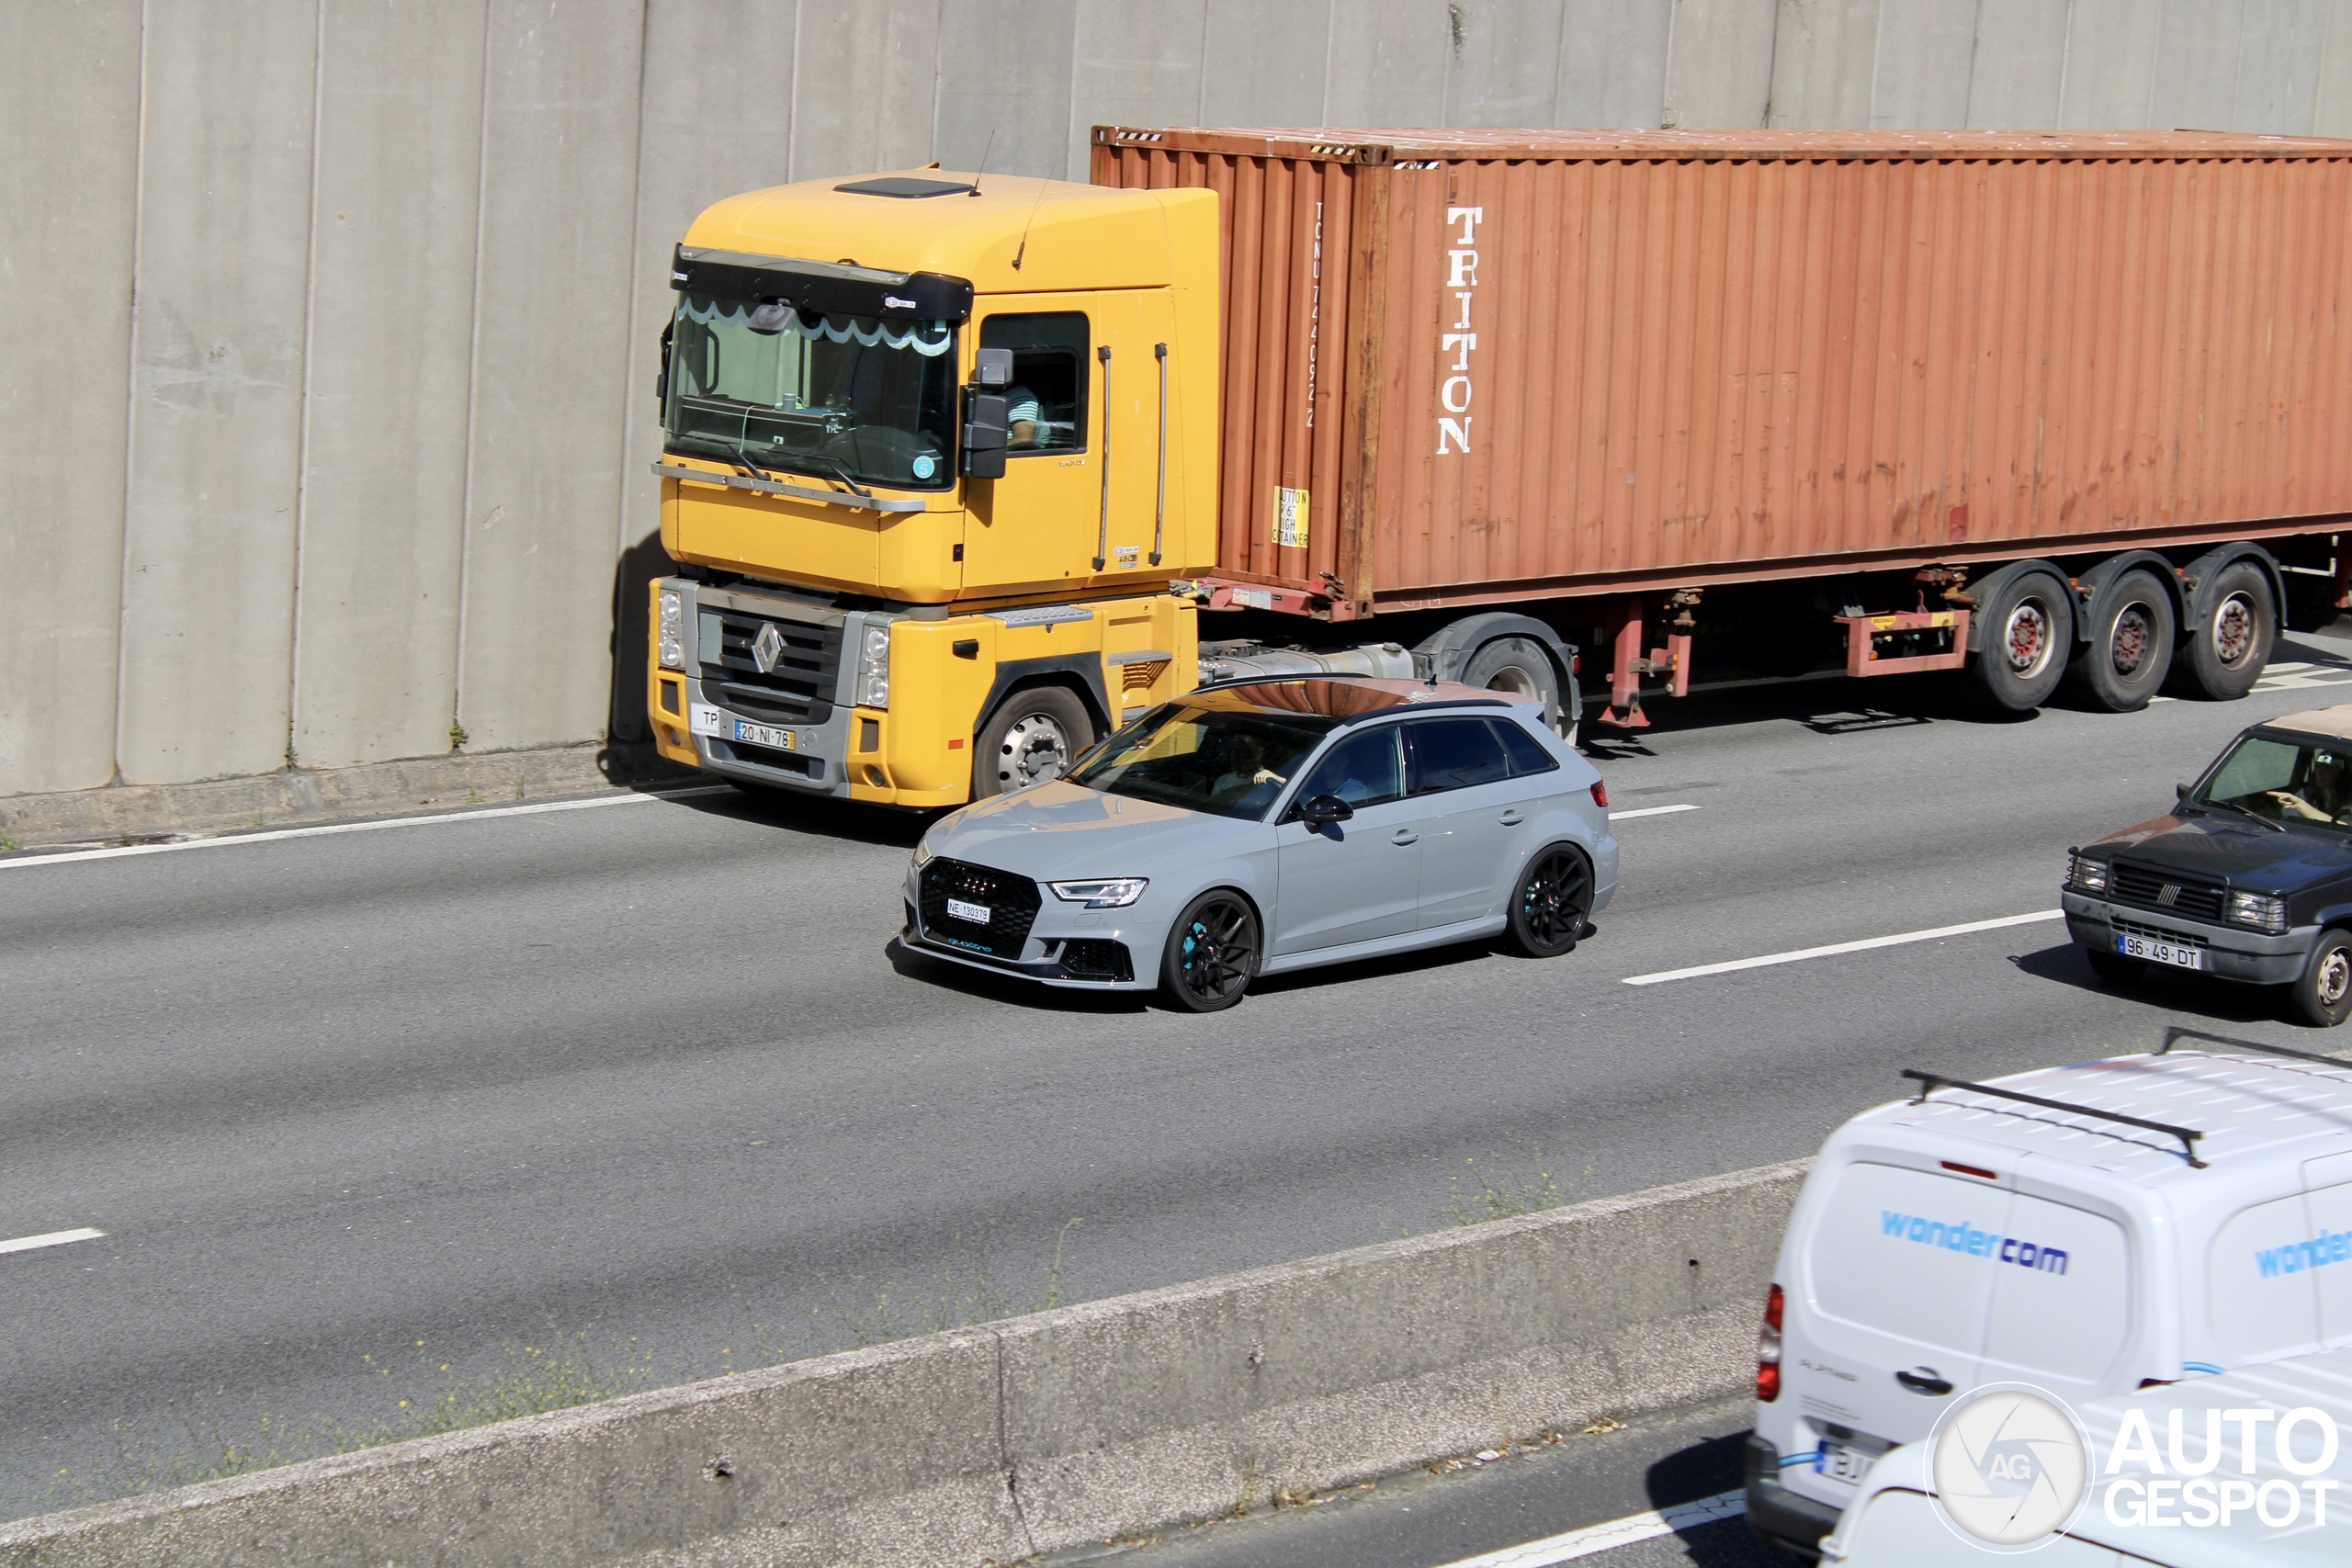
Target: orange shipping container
[{"x": 1473, "y": 367}]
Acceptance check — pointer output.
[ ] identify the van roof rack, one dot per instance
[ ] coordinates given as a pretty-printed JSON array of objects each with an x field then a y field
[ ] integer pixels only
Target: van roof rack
[
  {"x": 1930, "y": 1082},
  {"x": 2178, "y": 1033}
]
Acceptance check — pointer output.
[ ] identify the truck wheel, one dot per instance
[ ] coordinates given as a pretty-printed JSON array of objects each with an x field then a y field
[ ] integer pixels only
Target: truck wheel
[
  {"x": 2028, "y": 628},
  {"x": 2230, "y": 641},
  {"x": 1212, "y": 953},
  {"x": 2131, "y": 647},
  {"x": 2323, "y": 994},
  {"x": 1030, "y": 739},
  {"x": 1517, "y": 667}
]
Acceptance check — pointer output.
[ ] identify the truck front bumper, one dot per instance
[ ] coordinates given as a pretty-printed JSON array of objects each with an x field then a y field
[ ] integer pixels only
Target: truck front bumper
[{"x": 2231, "y": 953}]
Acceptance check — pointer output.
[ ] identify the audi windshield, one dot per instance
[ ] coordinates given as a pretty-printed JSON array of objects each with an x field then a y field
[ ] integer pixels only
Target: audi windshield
[
  {"x": 1232, "y": 764},
  {"x": 772, "y": 388}
]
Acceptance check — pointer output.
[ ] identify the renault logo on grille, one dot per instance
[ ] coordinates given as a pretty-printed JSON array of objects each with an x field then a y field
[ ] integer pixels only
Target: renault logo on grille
[
  {"x": 768, "y": 647},
  {"x": 2168, "y": 895}
]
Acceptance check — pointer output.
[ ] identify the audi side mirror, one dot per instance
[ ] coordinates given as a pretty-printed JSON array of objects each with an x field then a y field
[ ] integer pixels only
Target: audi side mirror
[{"x": 1324, "y": 810}]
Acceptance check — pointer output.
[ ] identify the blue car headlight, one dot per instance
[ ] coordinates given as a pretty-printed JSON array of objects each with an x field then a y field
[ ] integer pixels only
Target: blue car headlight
[{"x": 1109, "y": 893}]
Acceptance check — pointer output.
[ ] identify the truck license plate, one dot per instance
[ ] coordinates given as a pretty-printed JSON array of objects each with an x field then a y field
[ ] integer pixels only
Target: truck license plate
[
  {"x": 2178, "y": 954},
  {"x": 976, "y": 913},
  {"x": 766, "y": 735},
  {"x": 1840, "y": 1462}
]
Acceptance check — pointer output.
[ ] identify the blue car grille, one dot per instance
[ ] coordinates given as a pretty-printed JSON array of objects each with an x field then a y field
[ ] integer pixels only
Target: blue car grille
[{"x": 1012, "y": 901}]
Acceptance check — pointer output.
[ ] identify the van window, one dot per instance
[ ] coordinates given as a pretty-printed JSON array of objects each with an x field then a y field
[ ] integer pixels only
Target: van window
[
  {"x": 2061, "y": 1292},
  {"x": 1910, "y": 1254},
  {"x": 1046, "y": 398},
  {"x": 2264, "y": 1300}
]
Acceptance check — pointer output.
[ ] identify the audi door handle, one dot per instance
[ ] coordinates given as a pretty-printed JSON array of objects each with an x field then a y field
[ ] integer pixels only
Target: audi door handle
[
  {"x": 1513, "y": 819},
  {"x": 1404, "y": 836},
  {"x": 1927, "y": 1384}
]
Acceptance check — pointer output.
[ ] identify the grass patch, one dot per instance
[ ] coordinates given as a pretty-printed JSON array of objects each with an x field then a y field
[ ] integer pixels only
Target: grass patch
[
  {"x": 1509, "y": 1186},
  {"x": 961, "y": 1296}
]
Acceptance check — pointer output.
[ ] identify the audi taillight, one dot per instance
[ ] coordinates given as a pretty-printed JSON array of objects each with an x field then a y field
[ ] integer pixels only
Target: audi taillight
[
  {"x": 1768, "y": 1350},
  {"x": 1600, "y": 794}
]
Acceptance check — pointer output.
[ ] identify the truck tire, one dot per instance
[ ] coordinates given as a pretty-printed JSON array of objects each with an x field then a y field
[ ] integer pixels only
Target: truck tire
[
  {"x": 1031, "y": 738},
  {"x": 2029, "y": 626},
  {"x": 2130, "y": 646},
  {"x": 1517, "y": 666},
  {"x": 2229, "y": 637},
  {"x": 2323, "y": 993}
]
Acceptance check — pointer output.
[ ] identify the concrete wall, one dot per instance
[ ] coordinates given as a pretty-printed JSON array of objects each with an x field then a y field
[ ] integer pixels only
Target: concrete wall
[
  {"x": 1045, "y": 1432},
  {"x": 325, "y": 419}
]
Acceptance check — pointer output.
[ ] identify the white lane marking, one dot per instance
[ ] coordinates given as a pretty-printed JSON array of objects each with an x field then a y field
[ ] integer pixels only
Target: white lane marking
[
  {"x": 1649, "y": 811},
  {"x": 52, "y": 1239},
  {"x": 364, "y": 827},
  {"x": 1835, "y": 948},
  {"x": 1596, "y": 1539}
]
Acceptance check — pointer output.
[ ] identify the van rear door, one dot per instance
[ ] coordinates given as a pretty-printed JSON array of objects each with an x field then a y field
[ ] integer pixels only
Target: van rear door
[
  {"x": 1897, "y": 1286},
  {"x": 2062, "y": 1313}
]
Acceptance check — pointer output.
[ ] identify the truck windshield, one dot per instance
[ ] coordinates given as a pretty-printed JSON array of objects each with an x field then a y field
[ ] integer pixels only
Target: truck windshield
[
  {"x": 1229, "y": 763},
  {"x": 818, "y": 394},
  {"x": 2284, "y": 781}
]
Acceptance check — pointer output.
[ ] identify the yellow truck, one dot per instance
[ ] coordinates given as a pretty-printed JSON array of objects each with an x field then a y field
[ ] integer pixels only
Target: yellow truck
[
  {"x": 932, "y": 462},
  {"x": 940, "y": 473}
]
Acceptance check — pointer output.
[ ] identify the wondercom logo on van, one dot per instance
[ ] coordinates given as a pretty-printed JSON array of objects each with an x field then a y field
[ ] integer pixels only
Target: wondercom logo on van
[
  {"x": 1959, "y": 1236},
  {"x": 2014, "y": 1467}
]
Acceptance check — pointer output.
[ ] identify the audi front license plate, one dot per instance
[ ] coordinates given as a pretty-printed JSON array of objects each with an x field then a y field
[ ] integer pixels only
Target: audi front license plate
[
  {"x": 976, "y": 913},
  {"x": 2178, "y": 954}
]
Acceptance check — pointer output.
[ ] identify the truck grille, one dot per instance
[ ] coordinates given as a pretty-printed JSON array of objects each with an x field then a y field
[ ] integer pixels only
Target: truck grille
[
  {"x": 2161, "y": 890},
  {"x": 799, "y": 686},
  {"x": 1012, "y": 902}
]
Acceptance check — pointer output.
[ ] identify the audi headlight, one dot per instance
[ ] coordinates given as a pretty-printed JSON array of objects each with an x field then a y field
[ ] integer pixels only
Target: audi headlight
[
  {"x": 874, "y": 667},
  {"x": 2260, "y": 911},
  {"x": 673, "y": 630},
  {"x": 2087, "y": 875},
  {"x": 923, "y": 853},
  {"x": 1112, "y": 893}
]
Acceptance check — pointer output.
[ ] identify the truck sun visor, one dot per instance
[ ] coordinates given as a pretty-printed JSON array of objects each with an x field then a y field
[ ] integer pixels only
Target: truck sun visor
[{"x": 833, "y": 289}]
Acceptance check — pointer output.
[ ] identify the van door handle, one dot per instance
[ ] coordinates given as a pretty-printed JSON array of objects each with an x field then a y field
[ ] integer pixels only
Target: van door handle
[
  {"x": 1404, "y": 836},
  {"x": 1513, "y": 817},
  {"x": 1925, "y": 1381}
]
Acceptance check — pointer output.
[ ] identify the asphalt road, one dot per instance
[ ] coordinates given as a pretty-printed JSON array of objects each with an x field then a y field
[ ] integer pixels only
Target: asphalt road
[{"x": 643, "y": 1081}]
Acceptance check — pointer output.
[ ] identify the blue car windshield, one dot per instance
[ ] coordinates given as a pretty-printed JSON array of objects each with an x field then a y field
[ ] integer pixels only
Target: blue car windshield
[{"x": 1214, "y": 759}]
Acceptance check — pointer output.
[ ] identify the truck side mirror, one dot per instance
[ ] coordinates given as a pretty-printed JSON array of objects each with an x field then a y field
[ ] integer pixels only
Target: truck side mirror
[
  {"x": 987, "y": 427},
  {"x": 993, "y": 367}
]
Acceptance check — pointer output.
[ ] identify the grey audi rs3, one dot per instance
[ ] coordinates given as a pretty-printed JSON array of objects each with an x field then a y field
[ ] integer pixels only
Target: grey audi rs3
[{"x": 1269, "y": 825}]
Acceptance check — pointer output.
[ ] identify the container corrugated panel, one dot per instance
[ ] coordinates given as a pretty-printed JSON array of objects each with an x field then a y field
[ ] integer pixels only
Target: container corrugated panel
[{"x": 1514, "y": 364}]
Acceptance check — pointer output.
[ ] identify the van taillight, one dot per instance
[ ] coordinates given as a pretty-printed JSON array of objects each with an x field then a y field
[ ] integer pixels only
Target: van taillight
[
  {"x": 1600, "y": 794},
  {"x": 1768, "y": 1350}
]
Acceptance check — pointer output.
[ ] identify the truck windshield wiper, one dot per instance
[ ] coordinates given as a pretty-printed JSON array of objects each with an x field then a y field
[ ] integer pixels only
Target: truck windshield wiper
[
  {"x": 2249, "y": 815},
  {"x": 837, "y": 468}
]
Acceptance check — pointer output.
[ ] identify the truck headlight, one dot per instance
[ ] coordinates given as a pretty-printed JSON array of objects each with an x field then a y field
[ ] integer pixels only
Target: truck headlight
[
  {"x": 1113, "y": 893},
  {"x": 2261, "y": 911},
  {"x": 2087, "y": 875},
  {"x": 874, "y": 668},
  {"x": 673, "y": 630}
]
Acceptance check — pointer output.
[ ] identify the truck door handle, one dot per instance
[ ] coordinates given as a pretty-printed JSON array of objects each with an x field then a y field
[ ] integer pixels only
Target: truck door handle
[
  {"x": 1404, "y": 836},
  {"x": 1513, "y": 817},
  {"x": 1925, "y": 1382}
]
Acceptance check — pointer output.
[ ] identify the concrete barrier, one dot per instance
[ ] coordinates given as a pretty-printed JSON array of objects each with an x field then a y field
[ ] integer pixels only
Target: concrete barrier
[{"x": 990, "y": 1444}]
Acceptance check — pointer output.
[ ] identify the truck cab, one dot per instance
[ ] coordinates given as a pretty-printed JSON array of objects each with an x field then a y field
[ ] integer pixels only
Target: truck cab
[{"x": 931, "y": 464}]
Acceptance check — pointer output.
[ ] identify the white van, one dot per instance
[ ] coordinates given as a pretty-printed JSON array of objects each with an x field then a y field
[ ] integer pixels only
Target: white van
[
  {"x": 2089, "y": 1229},
  {"x": 2248, "y": 1510}
]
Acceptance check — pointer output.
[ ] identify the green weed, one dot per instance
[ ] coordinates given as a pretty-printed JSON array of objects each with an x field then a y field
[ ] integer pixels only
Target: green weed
[{"x": 1507, "y": 1189}]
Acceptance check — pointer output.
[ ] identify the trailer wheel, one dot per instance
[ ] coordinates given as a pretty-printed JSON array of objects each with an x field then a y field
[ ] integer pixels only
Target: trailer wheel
[
  {"x": 2229, "y": 640},
  {"x": 2131, "y": 647},
  {"x": 1030, "y": 739},
  {"x": 2028, "y": 628},
  {"x": 1518, "y": 667}
]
